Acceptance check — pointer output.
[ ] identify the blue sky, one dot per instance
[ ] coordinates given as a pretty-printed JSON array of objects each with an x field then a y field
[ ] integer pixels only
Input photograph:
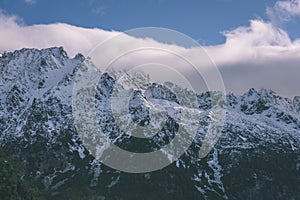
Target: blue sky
[{"x": 203, "y": 20}]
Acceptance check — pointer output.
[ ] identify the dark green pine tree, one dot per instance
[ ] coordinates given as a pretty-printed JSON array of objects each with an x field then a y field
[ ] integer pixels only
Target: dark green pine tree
[{"x": 12, "y": 187}]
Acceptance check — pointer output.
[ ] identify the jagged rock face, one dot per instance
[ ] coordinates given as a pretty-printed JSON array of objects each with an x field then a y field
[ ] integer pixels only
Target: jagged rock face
[
  {"x": 256, "y": 157},
  {"x": 296, "y": 103}
]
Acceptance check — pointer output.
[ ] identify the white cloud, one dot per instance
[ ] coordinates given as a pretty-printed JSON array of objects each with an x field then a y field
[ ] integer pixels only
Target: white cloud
[
  {"x": 74, "y": 39},
  {"x": 259, "y": 42},
  {"x": 284, "y": 10},
  {"x": 30, "y": 2},
  {"x": 260, "y": 55},
  {"x": 99, "y": 10}
]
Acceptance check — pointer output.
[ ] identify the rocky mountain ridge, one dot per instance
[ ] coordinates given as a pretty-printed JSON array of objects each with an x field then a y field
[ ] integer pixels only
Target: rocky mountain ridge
[{"x": 257, "y": 155}]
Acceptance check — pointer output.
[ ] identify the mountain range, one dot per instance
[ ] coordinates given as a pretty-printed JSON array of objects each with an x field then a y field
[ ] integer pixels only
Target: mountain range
[{"x": 257, "y": 156}]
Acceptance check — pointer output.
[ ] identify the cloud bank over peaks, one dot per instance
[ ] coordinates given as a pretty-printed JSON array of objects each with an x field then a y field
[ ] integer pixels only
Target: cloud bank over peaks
[
  {"x": 259, "y": 42},
  {"x": 14, "y": 35}
]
